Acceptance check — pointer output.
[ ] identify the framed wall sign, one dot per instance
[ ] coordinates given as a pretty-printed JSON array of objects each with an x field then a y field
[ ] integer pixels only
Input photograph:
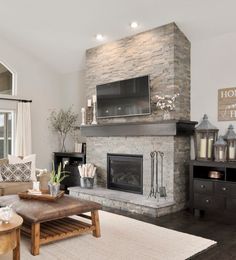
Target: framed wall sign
[{"x": 227, "y": 104}]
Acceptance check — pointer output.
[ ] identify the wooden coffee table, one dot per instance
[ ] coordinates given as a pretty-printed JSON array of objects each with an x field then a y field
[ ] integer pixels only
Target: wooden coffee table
[
  {"x": 46, "y": 222},
  {"x": 10, "y": 236}
]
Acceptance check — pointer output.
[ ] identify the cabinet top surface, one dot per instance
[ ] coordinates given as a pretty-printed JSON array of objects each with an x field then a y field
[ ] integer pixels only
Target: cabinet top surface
[{"x": 213, "y": 164}]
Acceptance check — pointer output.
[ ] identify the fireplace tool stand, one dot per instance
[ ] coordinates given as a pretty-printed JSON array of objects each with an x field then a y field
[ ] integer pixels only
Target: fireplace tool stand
[{"x": 155, "y": 190}]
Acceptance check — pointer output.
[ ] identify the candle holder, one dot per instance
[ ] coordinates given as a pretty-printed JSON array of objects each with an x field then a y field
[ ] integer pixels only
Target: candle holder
[
  {"x": 220, "y": 150},
  {"x": 94, "y": 122},
  {"x": 89, "y": 115},
  {"x": 230, "y": 139},
  {"x": 83, "y": 115},
  {"x": 205, "y": 137}
]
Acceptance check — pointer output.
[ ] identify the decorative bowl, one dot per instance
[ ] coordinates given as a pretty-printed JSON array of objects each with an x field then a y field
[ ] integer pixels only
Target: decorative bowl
[{"x": 215, "y": 174}]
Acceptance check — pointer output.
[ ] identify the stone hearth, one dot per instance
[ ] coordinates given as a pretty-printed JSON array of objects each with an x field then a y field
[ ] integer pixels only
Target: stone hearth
[{"x": 134, "y": 203}]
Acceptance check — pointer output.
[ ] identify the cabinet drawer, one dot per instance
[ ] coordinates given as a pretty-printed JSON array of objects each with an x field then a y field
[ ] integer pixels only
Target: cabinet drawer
[
  {"x": 231, "y": 204},
  {"x": 208, "y": 202},
  {"x": 227, "y": 189},
  {"x": 204, "y": 187}
]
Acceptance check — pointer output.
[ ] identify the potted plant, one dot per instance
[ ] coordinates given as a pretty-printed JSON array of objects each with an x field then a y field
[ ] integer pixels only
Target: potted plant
[
  {"x": 56, "y": 177},
  {"x": 63, "y": 122}
]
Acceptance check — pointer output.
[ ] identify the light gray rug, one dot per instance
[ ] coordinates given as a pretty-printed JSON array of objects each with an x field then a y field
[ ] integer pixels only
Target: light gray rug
[{"x": 124, "y": 239}]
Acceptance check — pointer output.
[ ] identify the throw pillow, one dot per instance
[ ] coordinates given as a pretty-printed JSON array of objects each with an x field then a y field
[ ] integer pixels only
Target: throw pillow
[
  {"x": 3, "y": 161},
  {"x": 20, "y": 172},
  {"x": 30, "y": 158}
]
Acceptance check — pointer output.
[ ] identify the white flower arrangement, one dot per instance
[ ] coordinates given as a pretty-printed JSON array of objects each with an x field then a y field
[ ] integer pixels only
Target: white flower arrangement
[{"x": 167, "y": 102}]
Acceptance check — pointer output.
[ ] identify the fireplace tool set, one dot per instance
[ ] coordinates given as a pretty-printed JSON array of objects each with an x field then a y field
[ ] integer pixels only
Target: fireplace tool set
[{"x": 155, "y": 189}]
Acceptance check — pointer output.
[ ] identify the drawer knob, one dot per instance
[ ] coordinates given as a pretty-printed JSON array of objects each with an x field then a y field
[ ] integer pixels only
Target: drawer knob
[
  {"x": 207, "y": 201},
  {"x": 224, "y": 189},
  {"x": 202, "y": 186}
]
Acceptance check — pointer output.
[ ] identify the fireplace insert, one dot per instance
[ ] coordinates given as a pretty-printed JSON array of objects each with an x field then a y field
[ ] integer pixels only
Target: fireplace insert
[{"x": 125, "y": 172}]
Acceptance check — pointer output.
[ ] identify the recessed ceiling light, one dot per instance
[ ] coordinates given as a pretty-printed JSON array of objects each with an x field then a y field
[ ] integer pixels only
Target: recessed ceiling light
[
  {"x": 99, "y": 37},
  {"x": 134, "y": 25}
]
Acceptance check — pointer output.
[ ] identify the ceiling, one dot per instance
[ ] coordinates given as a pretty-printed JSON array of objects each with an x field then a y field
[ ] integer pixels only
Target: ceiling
[{"x": 59, "y": 31}]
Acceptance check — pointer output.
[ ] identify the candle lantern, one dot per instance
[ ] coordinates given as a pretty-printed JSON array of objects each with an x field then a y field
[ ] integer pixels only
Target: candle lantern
[
  {"x": 205, "y": 137},
  {"x": 220, "y": 150},
  {"x": 230, "y": 139}
]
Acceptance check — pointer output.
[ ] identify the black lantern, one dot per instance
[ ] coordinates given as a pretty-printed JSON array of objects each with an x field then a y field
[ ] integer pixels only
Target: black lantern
[
  {"x": 205, "y": 137},
  {"x": 220, "y": 149},
  {"x": 230, "y": 138}
]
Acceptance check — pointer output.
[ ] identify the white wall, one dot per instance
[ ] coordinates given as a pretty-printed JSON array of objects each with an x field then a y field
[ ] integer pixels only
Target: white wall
[
  {"x": 213, "y": 67},
  {"x": 38, "y": 82},
  {"x": 74, "y": 95}
]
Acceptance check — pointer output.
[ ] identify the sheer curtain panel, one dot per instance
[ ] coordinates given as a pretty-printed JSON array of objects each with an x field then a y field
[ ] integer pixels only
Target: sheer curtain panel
[{"x": 23, "y": 130}]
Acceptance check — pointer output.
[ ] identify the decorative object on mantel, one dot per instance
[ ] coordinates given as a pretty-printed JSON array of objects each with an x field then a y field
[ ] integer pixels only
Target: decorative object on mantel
[
  {"x": 167, "y": 104},
  {"x": 94, "y": 122},
  {"x": 205, "y": 137},
  {"x": 155, "y": 190},
  {"x": 83, "y": 115},
  {"x": 220, "y": 150},
  {"x": 89, "y": 112},
  {"x": 87, "y": 174},
  {"x": 63, "y": 122},
  {"x": 230, "y": 138}
]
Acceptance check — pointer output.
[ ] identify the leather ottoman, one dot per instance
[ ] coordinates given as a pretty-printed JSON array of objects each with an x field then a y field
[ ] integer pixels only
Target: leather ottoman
[{"x": 46, "y": 222}]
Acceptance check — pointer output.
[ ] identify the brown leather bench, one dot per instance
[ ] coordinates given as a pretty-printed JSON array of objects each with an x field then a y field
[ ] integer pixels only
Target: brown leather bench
[{"x": 46, "y": 222}]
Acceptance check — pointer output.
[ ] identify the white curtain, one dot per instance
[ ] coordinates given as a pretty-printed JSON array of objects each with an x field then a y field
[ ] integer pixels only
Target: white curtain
[{"x": 23, "y": 130}]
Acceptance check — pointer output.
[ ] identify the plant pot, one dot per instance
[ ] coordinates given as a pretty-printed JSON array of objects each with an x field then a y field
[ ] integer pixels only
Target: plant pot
[
  {"x": 86, "y": 183},
  {"x": 54, "y": 188}
]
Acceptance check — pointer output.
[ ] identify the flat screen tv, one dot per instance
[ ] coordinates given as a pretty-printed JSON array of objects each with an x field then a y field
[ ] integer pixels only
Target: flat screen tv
[{"x": 123, "y": 98}]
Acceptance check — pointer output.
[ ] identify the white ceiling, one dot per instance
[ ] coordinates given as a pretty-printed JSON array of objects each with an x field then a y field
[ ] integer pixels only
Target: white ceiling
[{"x": 59, "y": 31}]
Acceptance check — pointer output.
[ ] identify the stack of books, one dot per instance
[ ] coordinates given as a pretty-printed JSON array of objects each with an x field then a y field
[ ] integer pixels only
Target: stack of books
[{"x": 34, "y": 192}]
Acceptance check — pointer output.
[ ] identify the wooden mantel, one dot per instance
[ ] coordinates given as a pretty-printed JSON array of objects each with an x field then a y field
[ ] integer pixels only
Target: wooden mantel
[{"x": 158, "y": 128}]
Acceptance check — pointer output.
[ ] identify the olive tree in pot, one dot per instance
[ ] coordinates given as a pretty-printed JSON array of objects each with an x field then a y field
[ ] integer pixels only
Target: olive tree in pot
[
  {"x": 56, "y": 177},
  {"x": 63, "y": 122}
]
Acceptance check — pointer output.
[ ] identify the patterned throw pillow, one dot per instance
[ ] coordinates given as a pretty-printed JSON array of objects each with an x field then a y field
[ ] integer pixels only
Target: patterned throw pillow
[{"x": 19, "y": 172}]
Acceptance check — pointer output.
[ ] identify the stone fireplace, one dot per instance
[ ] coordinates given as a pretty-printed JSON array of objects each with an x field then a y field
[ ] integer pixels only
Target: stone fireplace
[
  {"x": 164, "y": 54},
  {"x": 125, "y": 172}
]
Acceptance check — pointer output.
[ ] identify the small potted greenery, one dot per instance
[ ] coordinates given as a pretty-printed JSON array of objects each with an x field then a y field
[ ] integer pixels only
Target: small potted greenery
[{"x": 56, "y": 177}]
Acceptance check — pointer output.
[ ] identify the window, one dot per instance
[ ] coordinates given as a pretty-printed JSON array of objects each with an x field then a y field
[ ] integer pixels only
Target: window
[
  {"x": 6, "y": 133},
  {"x": 6, "y": 81}
]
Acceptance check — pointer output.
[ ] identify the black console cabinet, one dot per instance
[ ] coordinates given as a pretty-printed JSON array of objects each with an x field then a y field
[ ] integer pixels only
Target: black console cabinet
[
  {"x": 213, "y": 195},
  {"x": 70, "y": 163}
]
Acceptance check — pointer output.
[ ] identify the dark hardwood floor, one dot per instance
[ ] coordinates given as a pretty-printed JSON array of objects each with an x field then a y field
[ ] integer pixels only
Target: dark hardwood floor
[{"x": 220, "y": 229}]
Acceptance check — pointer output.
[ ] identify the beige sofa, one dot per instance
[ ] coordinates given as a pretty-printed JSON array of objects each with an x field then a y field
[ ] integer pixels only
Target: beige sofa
[{"x": 8, "y": 188}]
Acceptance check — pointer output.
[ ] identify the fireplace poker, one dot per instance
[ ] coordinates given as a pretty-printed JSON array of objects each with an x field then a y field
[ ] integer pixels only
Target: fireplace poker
[
  {"x": 162, "y": 188},
  {"x": 152, "y": 191},
  {"x": 156, "y": 191}
]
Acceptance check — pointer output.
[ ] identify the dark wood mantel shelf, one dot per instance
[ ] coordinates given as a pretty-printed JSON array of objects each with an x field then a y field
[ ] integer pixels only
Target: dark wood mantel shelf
[{"x": 158, "y": 128}]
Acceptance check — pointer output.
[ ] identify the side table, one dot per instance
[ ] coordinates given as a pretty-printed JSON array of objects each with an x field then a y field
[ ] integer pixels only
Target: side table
[{"x": 10, "y": 236}]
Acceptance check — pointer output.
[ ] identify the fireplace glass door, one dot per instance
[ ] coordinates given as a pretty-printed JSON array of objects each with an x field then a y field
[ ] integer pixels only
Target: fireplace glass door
[{"x": 125, "y": 172}]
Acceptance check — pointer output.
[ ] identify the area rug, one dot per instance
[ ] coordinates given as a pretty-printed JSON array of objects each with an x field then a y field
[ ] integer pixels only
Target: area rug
[{"x": 124, "y": 239}]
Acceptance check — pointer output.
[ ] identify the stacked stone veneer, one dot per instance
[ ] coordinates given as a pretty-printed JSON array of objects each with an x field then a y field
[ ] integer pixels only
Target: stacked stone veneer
[
  {"x": 98, "y": 147},
  {"x": 163, "y": 54}
]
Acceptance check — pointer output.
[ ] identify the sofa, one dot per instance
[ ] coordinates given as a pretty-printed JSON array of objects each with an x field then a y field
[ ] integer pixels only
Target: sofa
[{"x": 8, "y": 188}]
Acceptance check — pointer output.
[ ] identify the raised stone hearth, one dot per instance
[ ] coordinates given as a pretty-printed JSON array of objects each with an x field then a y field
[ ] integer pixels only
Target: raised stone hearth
[{"x": 134, "y": 203}]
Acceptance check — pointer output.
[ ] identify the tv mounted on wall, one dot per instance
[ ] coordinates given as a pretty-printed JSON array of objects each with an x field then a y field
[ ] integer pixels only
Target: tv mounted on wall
[{"x": 129, "y": 97}]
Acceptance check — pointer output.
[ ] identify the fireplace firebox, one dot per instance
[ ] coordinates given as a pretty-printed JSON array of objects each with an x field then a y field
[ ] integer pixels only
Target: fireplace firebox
[{"x": 125, "y": 172}]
